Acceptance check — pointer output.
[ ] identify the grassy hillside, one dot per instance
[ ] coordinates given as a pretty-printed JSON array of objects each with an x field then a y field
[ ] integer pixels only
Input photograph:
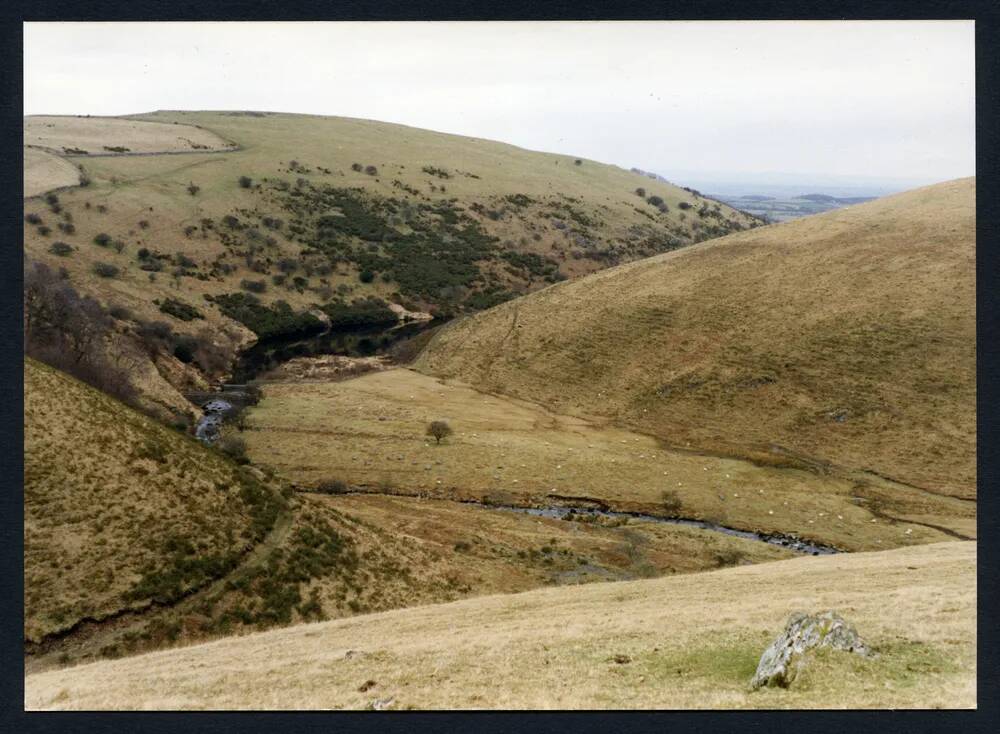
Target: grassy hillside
[
  {"x": 846, "y": 338},
  {"x": 370, "y": 432},
  {"x": 683, "y": 642},
  {"x": 275, "y": 223},
  {"x": 121, "y": 511},
  {"x": 437, "y": 219},
  {"x": 44, "y": 171},
  {"x": 137, "y": 537}
]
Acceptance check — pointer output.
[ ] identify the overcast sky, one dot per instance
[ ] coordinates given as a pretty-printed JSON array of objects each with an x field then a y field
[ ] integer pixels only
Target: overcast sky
[{"x": 817, "y": 100}]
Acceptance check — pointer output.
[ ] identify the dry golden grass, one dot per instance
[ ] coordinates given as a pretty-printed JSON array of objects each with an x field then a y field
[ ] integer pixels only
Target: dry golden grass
[
  {"x": 154, "y": 189},
  {"x": 370, "y": 431},
  {"x": 106, "y": 490},
  {"x": 401, "y": 552},
  {"x": 847, "y": 336},
  {"x": 127, "y": 190},
  {"x": 692, "y": 642},
  {"x": 44, "y": 171},
  {"x": 491, "y": 551},
  {"x": 95, "y": 135}
]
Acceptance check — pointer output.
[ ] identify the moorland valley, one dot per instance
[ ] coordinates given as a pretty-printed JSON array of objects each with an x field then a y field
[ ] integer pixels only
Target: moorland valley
[{"x": 374, "y": 414}]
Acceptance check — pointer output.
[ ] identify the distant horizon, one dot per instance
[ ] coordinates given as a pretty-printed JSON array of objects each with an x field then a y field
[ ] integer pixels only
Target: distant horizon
[
  {"x": 727, "y": 183},
  {"x": 892, "y": 99}
]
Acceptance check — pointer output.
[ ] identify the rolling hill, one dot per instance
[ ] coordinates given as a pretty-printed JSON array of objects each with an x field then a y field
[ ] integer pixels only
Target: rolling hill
[
  {"x": 843, "y": 342},
  {"x": 138, "y": 537},
  {"x": 689, "y": 641},
  {"x": 120, "y": 512},
  {"x": 274, "y": 223}
]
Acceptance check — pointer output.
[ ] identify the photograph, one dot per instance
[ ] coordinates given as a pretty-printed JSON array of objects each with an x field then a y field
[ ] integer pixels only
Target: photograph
[{"x": 463, "y": 365}]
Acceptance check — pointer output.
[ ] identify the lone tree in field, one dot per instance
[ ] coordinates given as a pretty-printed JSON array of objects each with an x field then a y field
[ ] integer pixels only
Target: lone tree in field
[{"x": 439, "y": 430}]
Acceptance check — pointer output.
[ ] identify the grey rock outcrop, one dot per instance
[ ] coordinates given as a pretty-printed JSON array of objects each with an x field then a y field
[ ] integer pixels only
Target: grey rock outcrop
[{"x": 786, "y": 656}]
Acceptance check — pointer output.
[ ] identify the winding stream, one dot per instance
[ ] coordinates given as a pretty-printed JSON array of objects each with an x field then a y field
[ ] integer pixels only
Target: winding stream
[
  {"x": 267, "y": 354},
  {"x": 567, "y": 513}
]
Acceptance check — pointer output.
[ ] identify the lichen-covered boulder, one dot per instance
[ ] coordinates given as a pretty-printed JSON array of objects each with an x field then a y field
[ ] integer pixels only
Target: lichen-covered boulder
[{"x": 785, "y": 657}]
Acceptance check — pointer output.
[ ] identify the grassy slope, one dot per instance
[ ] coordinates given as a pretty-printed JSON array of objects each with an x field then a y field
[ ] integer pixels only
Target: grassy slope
[
  {"x": 581, "y": 217},
  {"x": 370, "y": 431},
  {"x": 688, "y": 641},
  {"x": 153, "y": 188},
  {"x": 100, "y": 135},
  {"x": 848, "y": 336},
  {"x": 44, "y": 171},
  {"x": 114, "y": 501}
]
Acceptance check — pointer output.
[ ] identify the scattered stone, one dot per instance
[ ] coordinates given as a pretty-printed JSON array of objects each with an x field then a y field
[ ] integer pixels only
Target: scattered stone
[
  {"x": 785, "y": 658},
  {"x": 381, "y": 704}
]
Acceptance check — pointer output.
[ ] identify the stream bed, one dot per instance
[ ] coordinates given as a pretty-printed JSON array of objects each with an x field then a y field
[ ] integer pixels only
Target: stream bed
[
  {"x": 567, "y": 513},
  {"x": 229, "y": 399}
]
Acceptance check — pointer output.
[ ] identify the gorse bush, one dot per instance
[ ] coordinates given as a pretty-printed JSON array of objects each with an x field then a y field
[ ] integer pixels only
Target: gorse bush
[
  {"x": 332, "y": 486},
  {"x": 60, "y": 248},
  {"x": 267, "y": 322},
  {"x": 180, "y": 310},
  {"x": 253, "y": 286},
  {"x": 103, "y": 239},
  {"x": 234, "y": 447},
  {"x": 364, "y": 312},
  {"x": 106, "y": 270},
  {"x": 245, "y": 182}
]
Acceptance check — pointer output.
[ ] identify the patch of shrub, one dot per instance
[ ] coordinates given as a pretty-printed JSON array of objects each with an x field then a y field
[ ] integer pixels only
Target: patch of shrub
[
  {"x": 103, "y": 239},
  {"x": 363, "y": 312},
  {"x": 356, "y": 167},
  {"x": 332, "y": 486},
  {"x": 234, "y": 447},
  {"x": 245, "y": 182},
  {"x": 253, "y": 286},
  {"x": 655, "y": 200},
  {"x": 640, "y": 192},
  {"x": 60, "y": 248},
  {"x": 180, "y": 310},
  {"x": 288, "y": 265},
  {"x": 278, "y": 320},
  {"x": 435, "y": 171},
  {"x": 106, "y": 270},
  {"x": 193, "y": 189},
  {"x": 366, "y": 276},
  {"x": 684, "y": 205},
  {"x": 116, "y": 148},
  {"x": 67, "y": 228},
  {"x": 371, "y": 170},
  {"x": 32, "y": 218},
  {"x": 120, "y": 313},
  {"x": 184, "y": 348},
  {"x": 44, "y": 230},
  {"x": 730, "y": 557},
  {"x": 671, "y": 503}
]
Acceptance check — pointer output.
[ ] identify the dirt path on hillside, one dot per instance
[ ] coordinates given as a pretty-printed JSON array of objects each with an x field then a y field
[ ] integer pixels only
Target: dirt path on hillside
[{"x": 91, "y": 635}]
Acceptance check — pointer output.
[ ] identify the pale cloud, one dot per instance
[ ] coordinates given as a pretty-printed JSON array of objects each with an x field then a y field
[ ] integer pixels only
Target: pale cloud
[{"x": 888, "y": 99}]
